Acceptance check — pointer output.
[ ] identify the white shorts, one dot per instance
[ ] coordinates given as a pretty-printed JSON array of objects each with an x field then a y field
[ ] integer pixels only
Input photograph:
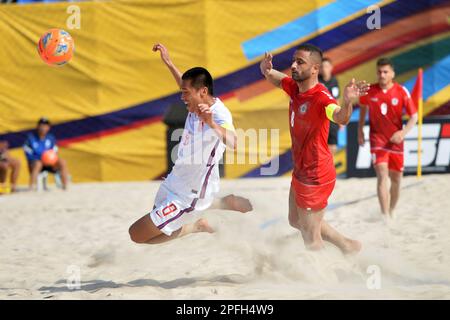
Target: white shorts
[{"x": 172, "y": 211}]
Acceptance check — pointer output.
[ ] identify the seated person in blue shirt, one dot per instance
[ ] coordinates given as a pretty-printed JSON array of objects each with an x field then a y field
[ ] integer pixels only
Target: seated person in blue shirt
[{"x": 36, "y": 144}]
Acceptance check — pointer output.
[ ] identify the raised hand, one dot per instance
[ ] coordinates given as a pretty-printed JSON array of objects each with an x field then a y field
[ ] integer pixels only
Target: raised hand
[
  {"x": 163, "y": 51},
  {"x": 354, "y": 90},
  {"x": 266, "y": 64}
]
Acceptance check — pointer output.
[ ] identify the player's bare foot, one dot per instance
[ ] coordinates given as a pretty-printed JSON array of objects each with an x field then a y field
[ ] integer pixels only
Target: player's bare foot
[
  {"x": 236, "y": 203},
  {"x": 393, "y": 214},
  {"x": 351, "y": 247},
  {"x": 202, "y": 225},
  {"x": 385, "y": 217}
]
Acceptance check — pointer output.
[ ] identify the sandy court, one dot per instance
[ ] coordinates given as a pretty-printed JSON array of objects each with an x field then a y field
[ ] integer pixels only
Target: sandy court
[{"x": 251, "y": 256}]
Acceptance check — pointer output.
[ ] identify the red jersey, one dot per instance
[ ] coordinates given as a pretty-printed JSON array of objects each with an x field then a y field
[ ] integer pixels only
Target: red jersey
[
  {"x": 309, "y": 125},
  {"x": 386, "y": 109}
]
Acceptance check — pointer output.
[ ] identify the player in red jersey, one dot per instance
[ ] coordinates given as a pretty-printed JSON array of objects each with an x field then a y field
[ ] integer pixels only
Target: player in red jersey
[
  {"x": 387, "y": 101},
  {"x": 310, "y": 110}
]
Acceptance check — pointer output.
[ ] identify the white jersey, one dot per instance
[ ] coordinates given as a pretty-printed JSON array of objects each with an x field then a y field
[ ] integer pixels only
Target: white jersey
[{"x": 196, "y": 171}]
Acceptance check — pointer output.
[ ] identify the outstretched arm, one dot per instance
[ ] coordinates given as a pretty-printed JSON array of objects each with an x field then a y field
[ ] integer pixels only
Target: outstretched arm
[
  {"x": 272, "y": 75},
  {"x": 166, "y": 59},
  {"x": 352, "y": 92}
]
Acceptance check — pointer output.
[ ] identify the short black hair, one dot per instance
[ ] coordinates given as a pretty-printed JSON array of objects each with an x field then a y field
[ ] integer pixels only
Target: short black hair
[
  {"x": 43, "y": 120},
  {"x": 200, "y": 77},
  {"x": 314, "y": 50},
  {"x": 385, "y": 62}
]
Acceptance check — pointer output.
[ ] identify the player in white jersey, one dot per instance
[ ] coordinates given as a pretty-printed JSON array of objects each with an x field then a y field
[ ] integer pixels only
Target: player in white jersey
[{"x": 194, "y": 180}]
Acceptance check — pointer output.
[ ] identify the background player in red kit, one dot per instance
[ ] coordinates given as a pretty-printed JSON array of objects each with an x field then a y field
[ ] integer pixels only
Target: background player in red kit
[
  {"x": 310, "y": 110},
  {"x": 387, "y": 101}
]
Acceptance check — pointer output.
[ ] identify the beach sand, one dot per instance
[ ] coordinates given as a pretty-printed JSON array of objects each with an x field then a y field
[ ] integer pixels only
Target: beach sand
[{"x": 47, "y": 237}]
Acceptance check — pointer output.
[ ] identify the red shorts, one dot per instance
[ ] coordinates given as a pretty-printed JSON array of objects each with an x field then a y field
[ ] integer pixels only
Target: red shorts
[
  {"x": 393, "y": 159},
  {"x": 312, "y": 197}
]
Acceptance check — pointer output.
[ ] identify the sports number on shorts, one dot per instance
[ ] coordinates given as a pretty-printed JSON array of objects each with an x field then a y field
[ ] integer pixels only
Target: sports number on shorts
[
  {"x": 169, "y": 209},
  {"x": 383, "y": 108}
]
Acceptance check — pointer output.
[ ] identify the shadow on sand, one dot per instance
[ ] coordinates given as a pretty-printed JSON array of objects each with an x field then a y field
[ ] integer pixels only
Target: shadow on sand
[{"x": 95, "y": 285}]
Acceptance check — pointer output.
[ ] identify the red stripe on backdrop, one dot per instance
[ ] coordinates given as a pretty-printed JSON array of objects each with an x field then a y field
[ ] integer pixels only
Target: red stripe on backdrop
[
  {"x": 399, "y": 41},
  {"x": 226, "y": 96},
  {"x": 105, "y": 133},
  {"x": 442, "y": 110}
]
